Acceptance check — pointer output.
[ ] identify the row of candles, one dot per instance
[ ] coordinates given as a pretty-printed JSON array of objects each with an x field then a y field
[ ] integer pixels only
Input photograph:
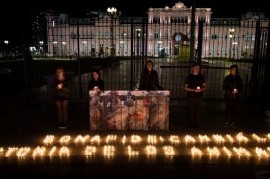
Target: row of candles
[
  {"x": 149, "y": 150},
  {"x": 157, "y": 139},
  {"x": 151, "y": 145}
]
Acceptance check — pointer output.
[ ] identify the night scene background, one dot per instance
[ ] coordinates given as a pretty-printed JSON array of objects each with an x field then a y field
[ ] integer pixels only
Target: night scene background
[{"x": 27, "y": 108}]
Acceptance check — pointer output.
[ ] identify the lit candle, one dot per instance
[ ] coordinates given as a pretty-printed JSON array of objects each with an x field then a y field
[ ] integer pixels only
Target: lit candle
[
  {"x": 132, "y": 152},
  {"x": 135, "y": 139},
  {"x": 151, "y": 150},
  {"x": 198, "y": 87},
  {"x": 60, "y": 86},
  {"x": 168, "y": 150},
  {"x": 108, "y": 150},
  {"x": 90, "y": 150},
  {"x": 64, "y": 151},
  {"x": 213, "y": 151},
  {"x": 261, "y": 153},
  {"x": 196, "y": 152},
  {"x": 152, "y": 139},
  {"x": 235, "y": 90},
  {"x": 174, "y": 139},
  {"x": 189, "y": 139}
]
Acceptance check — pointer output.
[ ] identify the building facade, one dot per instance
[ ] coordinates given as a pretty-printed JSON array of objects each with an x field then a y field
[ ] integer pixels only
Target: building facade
[{"x": 164, "y": 33}]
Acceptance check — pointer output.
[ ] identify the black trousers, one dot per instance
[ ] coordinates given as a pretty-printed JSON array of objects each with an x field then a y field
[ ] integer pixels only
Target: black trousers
[
  {"x": 230, "y": 109},
  {"x": 194, "y": 105}
]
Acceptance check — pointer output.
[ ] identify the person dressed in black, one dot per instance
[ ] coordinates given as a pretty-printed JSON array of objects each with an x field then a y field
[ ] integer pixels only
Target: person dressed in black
[
  {"x": 194, "y": 86},
  {"x": 96, "y": 83},
  {"x": 61, "y": 96},
  {"x": 149, "y": 78},
  {"x": 232, "y": 86}
]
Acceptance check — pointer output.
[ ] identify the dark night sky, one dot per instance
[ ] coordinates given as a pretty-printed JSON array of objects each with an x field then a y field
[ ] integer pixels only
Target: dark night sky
[{"x": 13, "y": 12}]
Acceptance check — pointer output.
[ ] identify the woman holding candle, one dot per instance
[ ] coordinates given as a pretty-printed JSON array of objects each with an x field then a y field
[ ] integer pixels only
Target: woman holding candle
[
  {"x": 61, "y": 96},
  {"x": 232, "y": 86},
  {"x": 194, "y": 86},
  {"x": 96, "y": 83}
]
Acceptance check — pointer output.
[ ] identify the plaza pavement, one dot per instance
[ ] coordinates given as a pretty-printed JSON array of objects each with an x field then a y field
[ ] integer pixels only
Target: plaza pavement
[{"x": 23, "y": 122}]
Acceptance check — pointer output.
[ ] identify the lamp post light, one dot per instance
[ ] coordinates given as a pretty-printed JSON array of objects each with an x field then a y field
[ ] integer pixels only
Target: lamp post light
[
  {"x": 112, "y": 11},
  {"x": 138, "y": 36},
  {"x": 41, "y": 47},
  {"x": 231, "y": 36},
  {"x": 6, "y": 42}
]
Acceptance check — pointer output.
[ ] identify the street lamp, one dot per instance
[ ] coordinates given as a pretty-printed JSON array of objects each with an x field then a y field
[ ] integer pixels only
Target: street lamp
[
  {"x": 112, "y": 11},
  {"x": 41, "y": 47},
  {"x": 138, "y": 35},
  {"x": 6, "y": 42},
  {"x": 231, "y": 31}
]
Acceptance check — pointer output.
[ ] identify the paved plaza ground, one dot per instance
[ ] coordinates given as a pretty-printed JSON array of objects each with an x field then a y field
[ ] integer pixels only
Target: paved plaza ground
[{"x": 24, "y": 123}]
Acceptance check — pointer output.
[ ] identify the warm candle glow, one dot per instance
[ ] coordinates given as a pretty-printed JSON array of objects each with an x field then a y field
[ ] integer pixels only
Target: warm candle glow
[
  {"x": 48, "y": 140},
  {"x": 64, "y": 151},
  {"x": 229, "y": 138},
  {"x": 52, "y": 151},
  {"x": 135, "y": 139},
  {"x": 152, "y": 139},
  {"x": 241, "y": 151},
  {"x": 258, "y": 138},
  {"x": 39, "y": 151},
  {"x": 124, "y": 139},
  {"x": 218, "y": 138},
  {"x": 204, "y": 138},
  {"x": 261, "y": 153},
  {"x": 241, "y": 138},
  {"x": 23, "y": 151},
  {"x": 81, "y": 139},
  {"x": 151, "y": 150},
  {"x": 108, "y": 150},
  {"x": 111, "y": 138},
  {"x": 95, "y": 139},
  {"x": 213, "y": 151},
  {"x": 174, "y": 139},
  {"x": 189, "y": 139},
  {"x": 168, "y": 150},
  {"x": 90, "y": 150},
  {"x": 132, "y": 152},
  {"x": 196, "y": 152},
  {"x": 65, "y": 139},
  {"x": 10, "y": 151},
  {"x": 227, "y": 152}
]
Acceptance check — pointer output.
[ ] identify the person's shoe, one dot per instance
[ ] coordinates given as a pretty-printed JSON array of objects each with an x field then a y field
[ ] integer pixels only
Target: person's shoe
[
  {"x": 62, "y": 126},
  {"x": 226, "y": 124},
  {"x": 232, "y": 124}
]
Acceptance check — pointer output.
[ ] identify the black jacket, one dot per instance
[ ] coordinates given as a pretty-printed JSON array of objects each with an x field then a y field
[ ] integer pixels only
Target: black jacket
[
  {"x": 99, "y": 83},
  {"x": 230, "y": 83},
  {"x": 149, "y": 81}
]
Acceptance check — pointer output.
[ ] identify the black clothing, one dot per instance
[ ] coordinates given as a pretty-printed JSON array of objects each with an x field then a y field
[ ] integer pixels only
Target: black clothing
[
  {"x": 60, "y": 93},
  {"x": 193, "y": 82},
  {"x": 149, "y": 81},
  {"x": 99, "y": 83},
  {"x": 230, "y": 83},
  {"x": 194, "y": 98}
]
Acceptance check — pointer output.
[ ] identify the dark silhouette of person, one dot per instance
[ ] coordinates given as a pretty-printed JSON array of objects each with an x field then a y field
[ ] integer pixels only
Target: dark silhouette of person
[
  {"x": 194, "y": 86},
  {"x": 61, "y": 96},
  {"x": 149, "y": 78},
  {"x": 232, "y": 87},
  {"x": 96, "y": 83}
]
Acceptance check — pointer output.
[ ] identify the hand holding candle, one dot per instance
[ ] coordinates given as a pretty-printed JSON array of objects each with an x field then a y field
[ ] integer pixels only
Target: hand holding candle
[
  {"x": 60, "y": 86},
  {"x": 198, "y": 89}
]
